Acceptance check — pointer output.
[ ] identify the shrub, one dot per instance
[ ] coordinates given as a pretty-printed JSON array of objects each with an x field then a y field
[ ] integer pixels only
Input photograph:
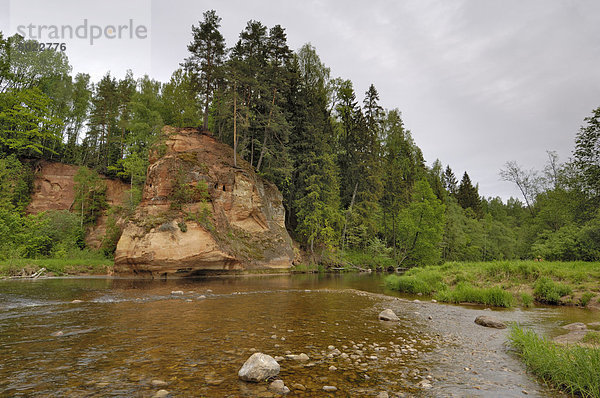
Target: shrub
[
  {"x": 550, "y": 292},
  {"x": 526, "y": 299},
  {"x": 586, "y": 298}
]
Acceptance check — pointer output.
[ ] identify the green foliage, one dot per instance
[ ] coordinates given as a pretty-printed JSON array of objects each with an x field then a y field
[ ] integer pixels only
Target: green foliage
[
  {"x": 90, "y": 195},
  {"x": 185, "y": 192},
  {"x": 586, "y": 298},
  {"x": 550, "y": 292},
  {"x": 468, "y": 195},
  {"x": 575, "y": 370},
  {"x": 526, "y": 299},
  {"x": 465, "y": 292},
  {"x": 111, "y": 237},
  {"x": 424, "y": 281},
  {"x": 587, "y": 155},
  {"x": 16, "y": 182},
  {"x": 421, "y": 227},
  {"x": 591, "y": 337}
]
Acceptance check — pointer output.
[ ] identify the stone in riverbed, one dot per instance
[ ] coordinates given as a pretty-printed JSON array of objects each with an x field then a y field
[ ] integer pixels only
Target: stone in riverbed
[
  {"x": 259, "y": 367},
  {"x": 490, "y": 322},
  {"x": 278, "y": 387},
  {"x": 177, "y": 292},
  {"x": 302, "y": 357},
  {"x": 575, "y": 326},
  {"x": 388, "y": 315},
  {"x": 298, "y": 386},
  {"x": 161, "y": 394},
  {"x": 159, "y": 383},
  {"x": 329, "y": 388},
  {"x": 382, "y": 394}
]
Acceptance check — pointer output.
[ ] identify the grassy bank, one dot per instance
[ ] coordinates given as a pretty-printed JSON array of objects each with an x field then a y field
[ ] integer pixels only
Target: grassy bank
[
  {"x": 87, "y": 264},
  {"x": 573, "y": 369},
  {"x": 505, "y": 283}
]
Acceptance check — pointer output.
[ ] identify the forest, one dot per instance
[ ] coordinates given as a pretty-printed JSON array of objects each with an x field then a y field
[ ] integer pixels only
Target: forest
[{"x": 356, "y": 186}]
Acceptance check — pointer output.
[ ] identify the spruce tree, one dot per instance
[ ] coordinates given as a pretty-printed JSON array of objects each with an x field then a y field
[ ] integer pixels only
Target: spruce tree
[{"x": 468, "y": 195}]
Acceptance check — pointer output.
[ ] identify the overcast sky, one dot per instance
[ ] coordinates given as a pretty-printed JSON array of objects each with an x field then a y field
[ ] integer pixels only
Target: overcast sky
[{"x": 478, "y": 82}]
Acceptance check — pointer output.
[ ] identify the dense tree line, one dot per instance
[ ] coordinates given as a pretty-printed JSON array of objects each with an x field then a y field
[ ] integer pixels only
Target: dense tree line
[{"x": 352, "y": 177}]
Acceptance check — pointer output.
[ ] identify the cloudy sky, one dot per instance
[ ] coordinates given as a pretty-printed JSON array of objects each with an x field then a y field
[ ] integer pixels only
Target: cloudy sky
[{"x": 478, "y": 82}]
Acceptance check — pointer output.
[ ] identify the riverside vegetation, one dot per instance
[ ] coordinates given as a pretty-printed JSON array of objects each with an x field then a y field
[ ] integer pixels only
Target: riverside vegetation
[{"x": 504, "y": 283}]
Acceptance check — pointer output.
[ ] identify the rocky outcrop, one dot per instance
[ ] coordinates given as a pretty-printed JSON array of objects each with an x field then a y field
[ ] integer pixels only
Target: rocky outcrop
[
  {"x": 54, "y": 189},
  {"x": 200, "y": 213}
]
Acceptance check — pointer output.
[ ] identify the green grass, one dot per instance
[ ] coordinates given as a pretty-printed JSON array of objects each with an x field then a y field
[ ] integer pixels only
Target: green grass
[
  {"x": 526, "y": 299},
  {"x": 592, "y": 337},
  {"x": 415, "y": 281},
  {"x": 86, "y": 263},
  {"x": 573, "y": 369},
  {"x": 545, "y": 282},
  {"x": 545, "y": 290},
  {"x": 465, "y": 293}
]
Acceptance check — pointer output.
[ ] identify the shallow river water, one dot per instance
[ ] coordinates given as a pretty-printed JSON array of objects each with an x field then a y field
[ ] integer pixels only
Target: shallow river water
[{"x": 126, "y": 334}]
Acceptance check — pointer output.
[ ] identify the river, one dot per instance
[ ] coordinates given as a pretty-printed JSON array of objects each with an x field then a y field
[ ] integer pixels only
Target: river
[{"x": 131, "y": 337}]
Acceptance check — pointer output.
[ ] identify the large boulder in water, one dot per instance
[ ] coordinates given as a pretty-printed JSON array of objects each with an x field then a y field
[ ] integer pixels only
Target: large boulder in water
[
  {"x": 200, "y": 212},
  {"x": 259, "y": 367},
  {"x": 388, "y": 315}
]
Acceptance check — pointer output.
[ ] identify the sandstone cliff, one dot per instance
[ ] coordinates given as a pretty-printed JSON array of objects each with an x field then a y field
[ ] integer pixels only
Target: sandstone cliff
[
  {"x": 53, "y": 189},
  {"x": 201, "y": 213}
]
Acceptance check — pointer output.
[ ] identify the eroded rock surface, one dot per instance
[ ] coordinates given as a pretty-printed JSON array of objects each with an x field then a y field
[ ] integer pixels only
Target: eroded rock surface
[{"x": 228, "y": 218}]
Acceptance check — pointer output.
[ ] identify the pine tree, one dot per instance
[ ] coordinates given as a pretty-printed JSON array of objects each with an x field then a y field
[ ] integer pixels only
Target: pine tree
[{"x": 208, "y": 53}]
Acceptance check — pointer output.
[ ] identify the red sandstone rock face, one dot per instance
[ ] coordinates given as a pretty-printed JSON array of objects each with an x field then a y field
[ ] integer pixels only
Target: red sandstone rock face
[
  {"x": 53, "y": 189},
  {"x": 240, "y": 226}
]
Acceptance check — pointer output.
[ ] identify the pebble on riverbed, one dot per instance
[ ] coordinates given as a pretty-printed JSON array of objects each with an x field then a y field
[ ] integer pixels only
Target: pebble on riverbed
[
  {"x": 329, "y": 388},
  {"x": 177, "y": 292}
]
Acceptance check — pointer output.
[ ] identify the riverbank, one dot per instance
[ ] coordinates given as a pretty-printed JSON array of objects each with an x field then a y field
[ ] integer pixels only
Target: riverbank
[
  {"x": 572, "y": 368},
  {"x": 505, "y": 283},
  {"x": 56, "y": 267}
]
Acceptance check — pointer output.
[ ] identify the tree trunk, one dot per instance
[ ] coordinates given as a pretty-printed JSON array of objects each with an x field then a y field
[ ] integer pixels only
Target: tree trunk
[
  {"x": 207, "y": 95},
  {"x": 347, "y": 213},
  {"x": 264, "y": 146},
  {"x": 234, "y": 124}
]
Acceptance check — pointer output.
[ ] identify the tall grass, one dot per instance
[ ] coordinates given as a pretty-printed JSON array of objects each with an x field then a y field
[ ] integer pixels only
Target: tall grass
[
  {"x": 417, "y": 281},
  {"x": 466, "y": 293},
  {"x": 573, "y": 369}
]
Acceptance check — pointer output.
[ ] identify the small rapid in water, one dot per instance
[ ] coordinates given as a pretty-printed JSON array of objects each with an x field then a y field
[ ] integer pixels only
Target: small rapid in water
[{"x": 125, "y": 337}]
